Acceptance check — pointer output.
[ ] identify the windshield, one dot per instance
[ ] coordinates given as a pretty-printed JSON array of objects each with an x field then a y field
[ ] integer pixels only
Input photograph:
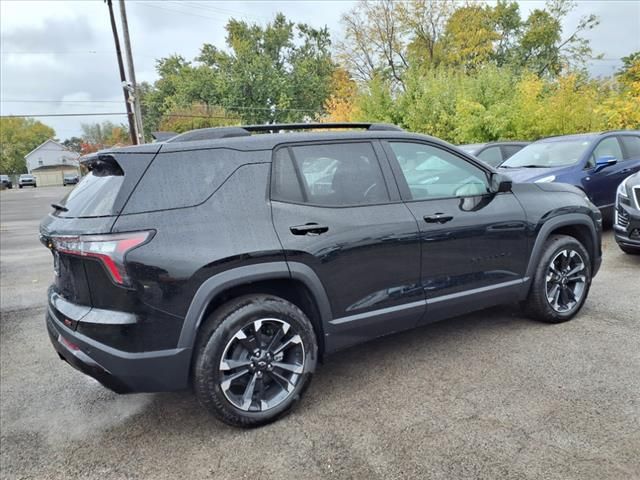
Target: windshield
[
  {"x": 27, "y": 177},
  {"x": 548, "y": 154}
]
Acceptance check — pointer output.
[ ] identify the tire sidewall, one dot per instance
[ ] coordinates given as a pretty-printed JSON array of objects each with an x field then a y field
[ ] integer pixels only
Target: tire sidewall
[
  {"x": 555, "y": 247},
  {"x": 209, "y": 376}
]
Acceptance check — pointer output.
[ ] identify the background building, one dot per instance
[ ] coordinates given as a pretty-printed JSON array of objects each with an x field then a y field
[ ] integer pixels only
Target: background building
[{"x": 50, "y": 161}]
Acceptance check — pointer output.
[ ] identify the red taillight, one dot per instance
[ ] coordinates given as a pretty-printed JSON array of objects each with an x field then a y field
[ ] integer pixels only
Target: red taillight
[{"x": 109, "y": 249}]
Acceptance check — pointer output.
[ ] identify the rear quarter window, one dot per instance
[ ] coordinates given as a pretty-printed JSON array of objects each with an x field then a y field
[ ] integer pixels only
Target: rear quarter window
[{"x": 184, "y": 178}]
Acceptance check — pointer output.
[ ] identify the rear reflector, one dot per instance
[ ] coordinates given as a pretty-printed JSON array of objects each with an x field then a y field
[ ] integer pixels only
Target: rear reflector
[
  {"x": 71, "y": 346},
  {"x": 109, "y": 249}
]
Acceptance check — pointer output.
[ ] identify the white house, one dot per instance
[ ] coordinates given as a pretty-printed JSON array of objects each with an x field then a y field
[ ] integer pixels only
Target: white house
[{"x": 50, "y": 161}]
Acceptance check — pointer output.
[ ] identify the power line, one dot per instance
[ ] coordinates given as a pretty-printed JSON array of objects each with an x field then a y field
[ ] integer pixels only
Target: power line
[{"x": 224, "y": 107}]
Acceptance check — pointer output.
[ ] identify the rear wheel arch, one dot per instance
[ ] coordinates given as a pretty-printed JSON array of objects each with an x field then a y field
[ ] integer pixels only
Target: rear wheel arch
[{"x": 299, "y": 286}]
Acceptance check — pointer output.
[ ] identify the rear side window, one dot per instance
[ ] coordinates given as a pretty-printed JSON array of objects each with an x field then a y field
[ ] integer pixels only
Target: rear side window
[
  {"x": 631, "y": 146},
  {"x": 95, "y": 195},
  {"x": 491, "y": 155},
  {"x": 509, "y": 150},
  {"x": 183, "y": 179},
  {"x": 332, "y": 175}
]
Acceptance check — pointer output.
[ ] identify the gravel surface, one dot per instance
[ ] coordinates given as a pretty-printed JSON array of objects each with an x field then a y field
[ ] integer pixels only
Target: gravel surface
[{"x": 488, "y": 395}]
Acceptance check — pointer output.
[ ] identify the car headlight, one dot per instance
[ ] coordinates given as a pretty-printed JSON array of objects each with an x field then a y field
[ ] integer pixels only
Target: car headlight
[
  {"x": 622, "y": 189},
  {"x": 547, "y": 179}
]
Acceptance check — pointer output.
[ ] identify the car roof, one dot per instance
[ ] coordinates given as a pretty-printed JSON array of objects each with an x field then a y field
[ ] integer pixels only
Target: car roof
[
  {"x": 269, "y": 141},
  {"x": 588, "y": 136}
]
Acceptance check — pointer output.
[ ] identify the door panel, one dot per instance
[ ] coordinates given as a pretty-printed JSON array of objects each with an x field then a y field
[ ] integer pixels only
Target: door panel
[
  {"x": 602, "y": 185},
  {"x": 366, "y": 255},
  {"x": 474, "y": 244}
]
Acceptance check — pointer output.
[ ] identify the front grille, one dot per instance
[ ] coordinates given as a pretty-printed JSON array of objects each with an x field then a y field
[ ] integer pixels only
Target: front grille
[
  {"x": 622, "y": 218},
  {"x": 636, "y": 191}
]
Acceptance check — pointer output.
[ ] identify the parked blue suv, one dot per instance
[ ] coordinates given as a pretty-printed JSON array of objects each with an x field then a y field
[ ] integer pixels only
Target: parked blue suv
[{"x": 594, "y": 162}]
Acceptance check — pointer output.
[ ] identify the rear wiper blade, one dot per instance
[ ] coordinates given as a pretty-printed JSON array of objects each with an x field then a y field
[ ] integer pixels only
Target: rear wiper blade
[
  {"x": 532, "y": 166},
  {"x": 57, "y": 206}
]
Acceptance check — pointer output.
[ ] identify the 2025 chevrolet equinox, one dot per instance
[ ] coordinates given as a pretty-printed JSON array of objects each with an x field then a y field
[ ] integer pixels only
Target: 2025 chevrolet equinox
[{"x": 233, "y": 259}]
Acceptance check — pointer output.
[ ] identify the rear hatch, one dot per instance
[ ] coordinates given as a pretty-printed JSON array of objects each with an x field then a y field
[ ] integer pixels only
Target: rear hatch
[{"x": 77, "y": 230}]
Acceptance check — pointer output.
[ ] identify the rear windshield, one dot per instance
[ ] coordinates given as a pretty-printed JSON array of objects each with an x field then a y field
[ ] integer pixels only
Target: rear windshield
[{"x": 94, "y": 196}]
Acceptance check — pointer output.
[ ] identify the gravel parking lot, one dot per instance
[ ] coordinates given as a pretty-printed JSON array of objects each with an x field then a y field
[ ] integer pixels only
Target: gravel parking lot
[{"x": 488, "y": 395}]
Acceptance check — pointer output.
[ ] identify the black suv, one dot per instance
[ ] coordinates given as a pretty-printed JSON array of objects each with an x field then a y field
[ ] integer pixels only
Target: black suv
[{"x": 233, "y": 259}]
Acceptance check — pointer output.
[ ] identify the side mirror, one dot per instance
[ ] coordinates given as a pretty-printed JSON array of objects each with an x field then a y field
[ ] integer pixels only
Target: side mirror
[
  {"x": 604, "y": 162},
  {"x": 500, "y": 183}
]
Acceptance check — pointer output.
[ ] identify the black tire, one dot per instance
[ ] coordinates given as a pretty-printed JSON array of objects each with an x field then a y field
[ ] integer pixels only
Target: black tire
[
  {"x": 19, "y": 186},
  {"x": 537, "y": 305},
  {"x": 629, "y": 250},
  {"x": 219, "y": 335}
]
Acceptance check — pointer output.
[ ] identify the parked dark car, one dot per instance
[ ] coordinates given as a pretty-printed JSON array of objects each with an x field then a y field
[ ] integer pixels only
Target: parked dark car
[
  {"x": 26, "y": 180},
  {"x": 494, "y": 153},
  {"x": 627, "y": 215},
  {"x": 596, "y": 163},
  {"x": 263, "y": 253},
  {"x": 5, "y": 181},
  {"x": 69, "y": 179}
]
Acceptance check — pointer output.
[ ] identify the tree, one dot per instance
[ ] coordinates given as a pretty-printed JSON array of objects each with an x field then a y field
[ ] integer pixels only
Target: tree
[
  {"x": 541, "y": 47},
  {"x": 182, "y": 119},
  {"x": 470, "y": 36},
  {"x": 97, "y": 136},
  {"x": 18, "y": 136},
  {"x": 425, "y": 21},
  {"x": 340, "y": 107},
  {"x": 630, "y": 70},
  {"x": 375, "y": 42},
  {"x": 74, "y": 144},
  {"x": 280, "y": 72}
]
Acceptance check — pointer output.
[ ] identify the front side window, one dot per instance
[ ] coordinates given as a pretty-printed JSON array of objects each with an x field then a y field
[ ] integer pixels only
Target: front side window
[
  {"x": 431, "y": 172},
  {"x": 609, "y": 147},
  {"x": 332, "y": 175}
]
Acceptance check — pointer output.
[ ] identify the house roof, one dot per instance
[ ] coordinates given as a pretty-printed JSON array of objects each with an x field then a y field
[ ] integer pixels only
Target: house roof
[{"x": 52, "y": 141}]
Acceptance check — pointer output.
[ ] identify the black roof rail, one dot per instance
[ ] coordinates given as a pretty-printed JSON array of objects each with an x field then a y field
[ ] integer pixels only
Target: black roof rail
[
  {"x": 209, "y": 134},
  {"x": 277, "y": 127},
  {"x": 246, "y": 130}
]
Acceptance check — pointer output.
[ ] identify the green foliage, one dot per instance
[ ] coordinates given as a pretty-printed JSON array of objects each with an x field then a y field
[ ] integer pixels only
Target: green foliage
[
  {"x": 18, "y": 136},
  {"x": 74, "y": 144},
  {"x": 280, "y": 72},
  {"x": 97, "y": 136}
]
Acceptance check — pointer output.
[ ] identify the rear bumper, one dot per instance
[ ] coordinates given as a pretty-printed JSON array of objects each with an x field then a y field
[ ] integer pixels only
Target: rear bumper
[{"x": 122, "y": 372}]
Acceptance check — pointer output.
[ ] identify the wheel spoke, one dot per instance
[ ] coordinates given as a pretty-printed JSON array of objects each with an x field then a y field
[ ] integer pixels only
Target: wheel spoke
[
  {"x": 564, "y": 296},
  {"x": 289, "y": 366},
  {"x": 565, "y": 260},
  {"x": 233, "y": 364},
  {"x": 248, "y": 343},
  {"x": 247, "y": 396},
  {"x": 282, "y": 381},
  {"x": 577, "y": 278},
  {"x": 293, "y": 340},
  {"x": 226, "y": 383},
  {"x": 575, "y": 270},
  {"x": 277, "y": 337},
  {"x": 551, "y": 295}
]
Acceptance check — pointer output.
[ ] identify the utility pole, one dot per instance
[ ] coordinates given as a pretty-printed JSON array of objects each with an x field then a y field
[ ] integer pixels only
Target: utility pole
[
  {"x": 132, "y": 72},
  {"x": 123, "y": 78}
]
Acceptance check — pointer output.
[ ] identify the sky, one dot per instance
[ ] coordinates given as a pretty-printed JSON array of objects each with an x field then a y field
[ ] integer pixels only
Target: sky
[{"x": 59, "y": 56}]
